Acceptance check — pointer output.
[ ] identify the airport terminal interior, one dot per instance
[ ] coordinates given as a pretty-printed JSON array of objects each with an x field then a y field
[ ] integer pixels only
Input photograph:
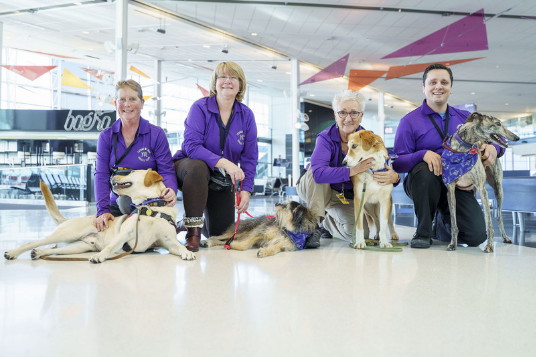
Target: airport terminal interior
[{"x": 59, "y": 64}]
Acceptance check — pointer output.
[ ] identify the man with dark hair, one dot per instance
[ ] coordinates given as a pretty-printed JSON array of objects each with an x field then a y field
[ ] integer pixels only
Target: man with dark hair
[{"x": 418, "y": 144}]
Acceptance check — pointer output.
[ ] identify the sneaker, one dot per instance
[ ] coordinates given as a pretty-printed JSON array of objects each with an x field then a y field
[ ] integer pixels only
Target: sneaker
[{"x": 420, "y": 242}]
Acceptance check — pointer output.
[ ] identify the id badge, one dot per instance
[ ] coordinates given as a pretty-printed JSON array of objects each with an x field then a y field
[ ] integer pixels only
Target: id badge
[{"x": 341, "y": 198}]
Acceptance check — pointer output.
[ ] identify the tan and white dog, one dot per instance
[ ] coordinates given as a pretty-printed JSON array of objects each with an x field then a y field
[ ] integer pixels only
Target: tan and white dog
[
  {"x": 370, "y": 197},
  {"x": 153, "y": 230}
]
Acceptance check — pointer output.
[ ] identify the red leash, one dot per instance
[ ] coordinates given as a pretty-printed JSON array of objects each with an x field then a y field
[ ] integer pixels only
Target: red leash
[{"x": 237, "y": 189}]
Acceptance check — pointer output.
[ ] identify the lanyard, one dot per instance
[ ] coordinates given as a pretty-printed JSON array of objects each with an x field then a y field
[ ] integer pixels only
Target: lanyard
[
  {"x": 443, "y": 135},
  {"x": 117, "y": 161},
  {"x": 224, "y": 131}
]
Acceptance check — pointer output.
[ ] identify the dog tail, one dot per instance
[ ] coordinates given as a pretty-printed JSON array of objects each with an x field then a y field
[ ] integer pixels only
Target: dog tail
[{"x": 50, "y": 203}]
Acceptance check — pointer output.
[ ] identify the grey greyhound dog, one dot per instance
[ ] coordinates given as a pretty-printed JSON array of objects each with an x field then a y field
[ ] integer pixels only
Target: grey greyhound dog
[{"x": 463, "y": 169}]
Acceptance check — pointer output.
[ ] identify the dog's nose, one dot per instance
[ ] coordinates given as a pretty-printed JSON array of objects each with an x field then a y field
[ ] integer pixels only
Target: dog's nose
[{"x": 344, "y": 163}]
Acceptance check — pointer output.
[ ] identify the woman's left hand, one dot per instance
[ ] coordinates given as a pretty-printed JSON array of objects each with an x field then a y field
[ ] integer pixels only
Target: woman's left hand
[
  {"x": 385, "y": 177},
  {"x": 244, "y": 202},
  {"x": 169, "y": 196}
]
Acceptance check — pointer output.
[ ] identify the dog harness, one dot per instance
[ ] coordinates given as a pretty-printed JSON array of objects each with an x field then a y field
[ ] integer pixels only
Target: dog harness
[
  {"x": 298, "y": 238},
  {"x": 457, "y": 163}
]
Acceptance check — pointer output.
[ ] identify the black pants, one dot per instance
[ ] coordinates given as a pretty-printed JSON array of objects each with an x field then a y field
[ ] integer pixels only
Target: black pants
[
  {"x": 429, "y": 195},
  {"x": 193, "y": 177}
]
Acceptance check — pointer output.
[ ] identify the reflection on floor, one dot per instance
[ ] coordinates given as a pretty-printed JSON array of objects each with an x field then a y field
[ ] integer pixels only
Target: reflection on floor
[{"x": 332, "y": 301}]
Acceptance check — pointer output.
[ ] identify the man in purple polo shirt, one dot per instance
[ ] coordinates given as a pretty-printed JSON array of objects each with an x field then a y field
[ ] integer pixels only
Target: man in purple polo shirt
[{"x": 418, "y": 144}]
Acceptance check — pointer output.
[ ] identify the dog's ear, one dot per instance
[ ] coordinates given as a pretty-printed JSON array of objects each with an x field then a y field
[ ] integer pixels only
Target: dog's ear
[
  {"x": 474, "y": 116},
  {"x": 151, "y": 177},
  {"x": 298, "y": 215}
]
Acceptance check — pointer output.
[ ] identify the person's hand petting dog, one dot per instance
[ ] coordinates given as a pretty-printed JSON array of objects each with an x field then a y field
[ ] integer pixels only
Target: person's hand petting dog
[
  {"x": 386, "y": 177},
  {"x": 101, "y": 223},
  {"x": 362, "y": 166},
  {"x": 489, "y": 154}
]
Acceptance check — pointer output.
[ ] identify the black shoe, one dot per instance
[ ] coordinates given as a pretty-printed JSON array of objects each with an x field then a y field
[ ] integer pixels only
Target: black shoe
[
  {"x": 314, "y": 240},
  {"x": 421, "y": 242},
  {"x": 324, "y": 233}
]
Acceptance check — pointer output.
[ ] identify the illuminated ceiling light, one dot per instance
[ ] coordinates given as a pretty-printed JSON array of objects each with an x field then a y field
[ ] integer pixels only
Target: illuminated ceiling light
[{"x": 253, "y": 34}]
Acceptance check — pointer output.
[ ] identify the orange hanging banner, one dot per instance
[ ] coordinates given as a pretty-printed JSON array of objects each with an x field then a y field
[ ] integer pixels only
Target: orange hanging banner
[{"x": 360, "y": 78}]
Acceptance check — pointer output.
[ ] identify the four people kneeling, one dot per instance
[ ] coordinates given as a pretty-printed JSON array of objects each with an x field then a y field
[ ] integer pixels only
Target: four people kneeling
[{"x": 220, "y": 151}]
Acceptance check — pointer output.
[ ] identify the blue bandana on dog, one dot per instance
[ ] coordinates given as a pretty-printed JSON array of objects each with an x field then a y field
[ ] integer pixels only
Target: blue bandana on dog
[
  {"x": 298, "y": 238},
  {"x": 456, "y": 163}
]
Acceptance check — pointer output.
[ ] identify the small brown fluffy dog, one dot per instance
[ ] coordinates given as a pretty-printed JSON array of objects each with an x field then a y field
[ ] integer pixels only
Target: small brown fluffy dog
[
  {"x": 269, "y": 233},
  {"x": 377, "y": 199}
]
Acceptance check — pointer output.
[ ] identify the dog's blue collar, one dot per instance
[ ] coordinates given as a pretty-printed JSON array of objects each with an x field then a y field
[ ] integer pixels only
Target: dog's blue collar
[
  {"x": 155, "y": 202},
  {"x": 387, "y": 162},
  {"x": 298, "y": 238}
]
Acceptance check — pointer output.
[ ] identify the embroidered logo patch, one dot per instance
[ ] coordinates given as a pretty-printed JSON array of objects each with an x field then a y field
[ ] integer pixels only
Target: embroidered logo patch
[
  {"x": 241, "y": 137},
  {"x": 144, "y": 154}
]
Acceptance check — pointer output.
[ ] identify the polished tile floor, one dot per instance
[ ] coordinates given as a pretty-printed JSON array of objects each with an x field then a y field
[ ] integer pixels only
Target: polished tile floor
[{"x": 331, "y": 301}]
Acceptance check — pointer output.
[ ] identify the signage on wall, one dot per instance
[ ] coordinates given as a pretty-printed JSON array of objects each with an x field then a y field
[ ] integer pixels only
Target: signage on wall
[{"x": 56, "y": 120}]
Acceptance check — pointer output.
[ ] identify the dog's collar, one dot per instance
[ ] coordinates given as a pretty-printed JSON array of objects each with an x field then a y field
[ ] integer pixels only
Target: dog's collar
[
  {"x": 146, "y": 211},
  {"x": 298, "y": 238},
  {"x": 387, "y": 162},
  {"x": 473, "y": 149},
  {"x": 153, "y": 202}
]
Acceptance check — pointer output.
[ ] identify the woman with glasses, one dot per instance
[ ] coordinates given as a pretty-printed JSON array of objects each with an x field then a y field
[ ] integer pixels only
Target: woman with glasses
[
  {"x": 326, "y": 185},
  {"x": 134, "y": 143},
  {"x": 220, "y": 138}
]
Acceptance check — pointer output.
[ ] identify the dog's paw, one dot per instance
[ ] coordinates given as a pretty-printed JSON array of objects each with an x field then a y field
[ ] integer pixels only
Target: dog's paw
[
  {"x": 360, "y": 244},
  {"x": 394, "y": 236},
  {"x": 204, "y": 243},
  {"x": 451, "y": 247},
  {"x": 9, "y": 256},
  {"x": 263, "y": 253},
  {"x": 385, "y": 245},
  {"x": 97, "y": 258},
  {"x": 488, "y": 249},
  {"x": 187, "y": 255},
  {"x": 507, "y": 240},
  {"x": 36, "y": 254}
]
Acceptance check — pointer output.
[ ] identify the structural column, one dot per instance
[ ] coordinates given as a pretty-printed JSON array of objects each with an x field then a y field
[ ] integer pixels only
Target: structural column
[
  {"x": 158, "y": 92},
  {"x": 295, "y": 113},
  {"x": 381, "y": 114},
  {"x": 121, "y": 32}
]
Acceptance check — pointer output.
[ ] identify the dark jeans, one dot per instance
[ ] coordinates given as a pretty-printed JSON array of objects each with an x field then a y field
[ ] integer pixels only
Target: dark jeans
[
  {"x": 429, "y": 195},
  {"x": 193, "y": 177}
]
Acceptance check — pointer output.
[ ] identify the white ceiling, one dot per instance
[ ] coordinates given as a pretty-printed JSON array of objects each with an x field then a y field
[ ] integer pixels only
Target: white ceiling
[{"x": 316, "y": 32}]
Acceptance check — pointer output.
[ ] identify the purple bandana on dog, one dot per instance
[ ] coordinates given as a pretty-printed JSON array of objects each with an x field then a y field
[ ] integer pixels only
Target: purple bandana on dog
[
  {"x": 456, "y": 163},
  {"x": 298, "y": 238}
]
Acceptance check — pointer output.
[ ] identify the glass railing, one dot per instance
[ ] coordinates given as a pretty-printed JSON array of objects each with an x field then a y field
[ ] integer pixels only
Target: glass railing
[{"x": 68, "y": 183}]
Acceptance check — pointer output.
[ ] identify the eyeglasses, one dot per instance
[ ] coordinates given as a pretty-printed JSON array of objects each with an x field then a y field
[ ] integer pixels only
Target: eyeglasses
[
  {"x": 231, "y": 78},
  {"x": 354, "y": 115}
]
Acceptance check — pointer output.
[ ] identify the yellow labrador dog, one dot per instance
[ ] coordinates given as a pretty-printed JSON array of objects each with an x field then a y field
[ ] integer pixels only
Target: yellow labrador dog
[
  {"x": 156, "y": 226},
  {"x": 370, "y": 197}
]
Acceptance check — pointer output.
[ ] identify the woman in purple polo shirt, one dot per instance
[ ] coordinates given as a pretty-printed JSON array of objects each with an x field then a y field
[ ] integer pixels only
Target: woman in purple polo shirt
[
  {"x": 326, "y": 185},
  {"x": 219, "y": 133},
  {"x": 134, "y": 143}
]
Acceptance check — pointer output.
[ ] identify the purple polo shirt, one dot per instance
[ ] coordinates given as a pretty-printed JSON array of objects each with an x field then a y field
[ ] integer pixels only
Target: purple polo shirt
[
  {"x": 202, "y": 138},
  {"x": 149, "y": 151},
  {"x": 416, "y": 134},
  {"x": 326, "y": 160}
]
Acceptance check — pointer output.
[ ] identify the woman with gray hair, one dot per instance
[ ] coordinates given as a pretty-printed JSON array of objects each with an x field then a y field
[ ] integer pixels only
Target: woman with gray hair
[{"x": 326, "y": 186}]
